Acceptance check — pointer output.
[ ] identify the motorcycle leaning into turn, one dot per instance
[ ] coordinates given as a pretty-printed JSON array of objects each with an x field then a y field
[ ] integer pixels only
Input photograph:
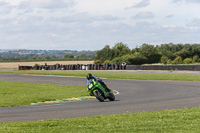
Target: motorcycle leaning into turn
[{"x": 96, "y": 89}]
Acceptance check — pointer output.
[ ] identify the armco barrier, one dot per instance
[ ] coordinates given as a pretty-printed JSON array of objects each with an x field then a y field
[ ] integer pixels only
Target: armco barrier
[
  {"x": 117, "y": 66},
  {"x": 164, "y": 67},
  {"x": 25, "y": 68}
]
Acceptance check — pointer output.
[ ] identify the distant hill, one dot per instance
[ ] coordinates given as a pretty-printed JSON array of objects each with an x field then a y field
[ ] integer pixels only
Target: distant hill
[
  {"x": 34, "y": 53},
  {"x": 20, "y": 55}
]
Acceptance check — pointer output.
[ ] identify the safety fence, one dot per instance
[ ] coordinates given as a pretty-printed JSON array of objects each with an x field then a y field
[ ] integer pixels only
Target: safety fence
[
  {"x": 117, "y": 66},
  {"x": 164, "y": 67}
]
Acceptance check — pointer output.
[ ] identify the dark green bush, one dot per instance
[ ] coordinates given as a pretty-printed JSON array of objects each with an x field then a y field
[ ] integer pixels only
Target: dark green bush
[
  {"x": 195, "y": 59},
  {"x": 164, "y": 59},
  {"x": 135, "y": 59},
  {"x": 177, "y": 60},
  {"x": 187, "y": 61}
]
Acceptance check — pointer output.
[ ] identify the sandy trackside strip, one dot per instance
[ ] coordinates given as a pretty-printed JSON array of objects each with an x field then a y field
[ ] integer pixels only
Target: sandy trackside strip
[{"x": 14, "y": 65}]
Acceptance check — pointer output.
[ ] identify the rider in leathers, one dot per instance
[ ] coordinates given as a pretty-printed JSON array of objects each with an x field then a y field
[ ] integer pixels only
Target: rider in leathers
[{"x": 89, "y": 77}]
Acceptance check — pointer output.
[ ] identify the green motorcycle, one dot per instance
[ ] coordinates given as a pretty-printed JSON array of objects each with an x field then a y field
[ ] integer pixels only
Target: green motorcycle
[{"x": 98, "y": 90}]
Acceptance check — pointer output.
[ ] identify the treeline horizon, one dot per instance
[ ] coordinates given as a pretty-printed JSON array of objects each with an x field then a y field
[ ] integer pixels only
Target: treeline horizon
[
  {"x": 45, "y": 55},
  {"x": 168, "y": 53}
]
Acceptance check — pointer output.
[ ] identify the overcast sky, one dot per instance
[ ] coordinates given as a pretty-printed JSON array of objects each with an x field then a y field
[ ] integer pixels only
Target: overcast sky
[{"x": 91, "y": 24}]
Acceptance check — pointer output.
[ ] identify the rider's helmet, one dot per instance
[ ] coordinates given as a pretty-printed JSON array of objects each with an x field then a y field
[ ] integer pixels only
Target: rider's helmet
[{"x": 89, "y": 76}]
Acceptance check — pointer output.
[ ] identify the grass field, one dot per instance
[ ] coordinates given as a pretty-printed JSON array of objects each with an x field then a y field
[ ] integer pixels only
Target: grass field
[
  {"x": 112, "y": 75},
  {"x": 16, "y": 94},
  {"x": 168, "y": 121},
  {"x": 19, "y": 94},
  {"x": 14, "y": 65}
]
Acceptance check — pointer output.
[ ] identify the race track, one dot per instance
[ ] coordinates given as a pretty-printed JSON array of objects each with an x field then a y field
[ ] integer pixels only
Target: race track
[{"x": 134, "y": 96}]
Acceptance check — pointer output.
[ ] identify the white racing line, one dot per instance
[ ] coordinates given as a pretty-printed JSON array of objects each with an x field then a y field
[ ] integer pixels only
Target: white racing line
[{"x": 116, "y": 92}]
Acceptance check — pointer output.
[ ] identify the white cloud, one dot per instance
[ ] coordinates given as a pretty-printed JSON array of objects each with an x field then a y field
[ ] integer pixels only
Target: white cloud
[
  {"x": 91, "y": 24},
  {"x": 4, "y": 8},
  {"x": 47, "y": 4},
  {"x": 101, "y": 7},
  {"x": 194, "y": 23},
  {"x": 144, "y": 15},
  {"x": 12, "y": 2},
  {"x": 143, "y": 3},
  {"x": 188, "y": 1}
]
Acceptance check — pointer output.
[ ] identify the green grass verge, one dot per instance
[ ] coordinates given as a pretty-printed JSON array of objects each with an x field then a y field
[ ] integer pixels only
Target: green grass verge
[
  {"x": 16, "y": 94},
  {"x": 176, "y": 121},
  {"x": 113, "y": 75},
  {"x": 19, "y": 94}
]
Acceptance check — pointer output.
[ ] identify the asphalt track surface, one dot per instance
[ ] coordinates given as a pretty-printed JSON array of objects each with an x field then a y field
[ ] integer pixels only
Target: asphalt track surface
[{"x": 134, "y": 96}]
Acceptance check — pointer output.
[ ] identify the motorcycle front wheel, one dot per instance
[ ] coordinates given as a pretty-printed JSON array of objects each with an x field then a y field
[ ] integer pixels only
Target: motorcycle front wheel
[
  {"x": 111, "y": 97},
  {"x": 99, "y": 96}
]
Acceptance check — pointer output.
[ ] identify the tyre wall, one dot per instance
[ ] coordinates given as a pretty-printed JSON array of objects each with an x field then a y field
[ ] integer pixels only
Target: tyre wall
[{"x": 117, "y": 66}]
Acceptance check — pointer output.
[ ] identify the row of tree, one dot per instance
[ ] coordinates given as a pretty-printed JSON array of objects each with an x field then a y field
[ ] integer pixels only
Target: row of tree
[
  {"x": 68, "y": 57},
  {"x": 148, "y": 54},
  {"x": 45, "y": 55},
  {"x": 11, "y": 56}
]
